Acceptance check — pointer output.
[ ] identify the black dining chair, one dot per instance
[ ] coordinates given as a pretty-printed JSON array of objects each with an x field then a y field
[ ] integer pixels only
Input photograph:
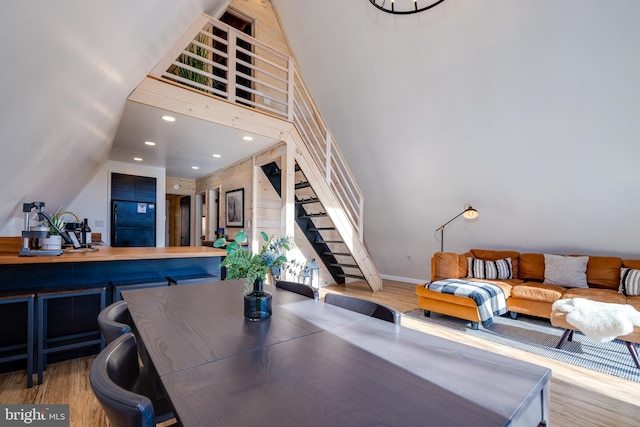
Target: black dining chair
[
  {"x": 368, "y": 308},
  {"x": 114, "y": 320},
  {"x": 116, "y": 381},
  {"x": 298, "y": 288}
]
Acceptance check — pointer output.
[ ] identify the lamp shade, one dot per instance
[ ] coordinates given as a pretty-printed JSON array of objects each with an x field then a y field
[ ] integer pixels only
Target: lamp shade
[{"x": 470, "y": 213}]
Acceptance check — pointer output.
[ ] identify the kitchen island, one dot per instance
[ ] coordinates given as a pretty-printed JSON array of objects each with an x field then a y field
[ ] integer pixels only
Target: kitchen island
[
  {"x": 106, "y": 264},
  {"x": 78, "y": 270}
]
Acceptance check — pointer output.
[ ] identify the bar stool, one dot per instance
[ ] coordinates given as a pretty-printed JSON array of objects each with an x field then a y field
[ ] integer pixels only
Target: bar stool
[
  {"x": 29, "y": 300},
  {"x": 189, "y": 279},
  {"x": 124, "y": 285},
  {"x": 78, "y": 339}
]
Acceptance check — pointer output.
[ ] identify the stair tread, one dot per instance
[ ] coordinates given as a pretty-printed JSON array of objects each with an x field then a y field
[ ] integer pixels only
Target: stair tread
[
  {"x": 307, "y": 201},
  {"x": 314, "y": 215},
  {"x": 353, "y": 276}
]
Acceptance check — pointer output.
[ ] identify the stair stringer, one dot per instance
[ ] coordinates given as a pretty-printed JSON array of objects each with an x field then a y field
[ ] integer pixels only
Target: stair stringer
[{"x": 334, "y": 210}]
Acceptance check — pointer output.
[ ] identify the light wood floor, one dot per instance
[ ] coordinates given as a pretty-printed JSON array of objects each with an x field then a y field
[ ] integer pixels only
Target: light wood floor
[{"x": 579, "y": 397}]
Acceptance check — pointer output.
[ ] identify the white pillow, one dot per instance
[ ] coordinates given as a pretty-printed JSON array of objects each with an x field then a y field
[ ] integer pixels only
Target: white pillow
[
  {"x": 629, "y": 281},
  {"x": 567, "y": 271},
  {"x": 499, "y": 269}
]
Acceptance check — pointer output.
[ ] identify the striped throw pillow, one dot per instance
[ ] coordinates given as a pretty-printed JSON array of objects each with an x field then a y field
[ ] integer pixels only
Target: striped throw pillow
[
  {"x": 629, "y": 281},
  {"x": 499, "y": 269}
]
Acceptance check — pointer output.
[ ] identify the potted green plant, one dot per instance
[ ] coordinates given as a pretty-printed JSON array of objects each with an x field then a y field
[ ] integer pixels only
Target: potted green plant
[{"x": 242, "y": 263}]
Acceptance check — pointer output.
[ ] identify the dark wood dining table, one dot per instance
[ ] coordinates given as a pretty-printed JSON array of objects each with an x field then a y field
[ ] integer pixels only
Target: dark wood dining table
[{"x": 315, "y": 364}]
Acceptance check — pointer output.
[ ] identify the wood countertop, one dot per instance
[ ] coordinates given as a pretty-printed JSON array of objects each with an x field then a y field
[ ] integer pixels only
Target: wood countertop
[{"x": 108, "y": 253}]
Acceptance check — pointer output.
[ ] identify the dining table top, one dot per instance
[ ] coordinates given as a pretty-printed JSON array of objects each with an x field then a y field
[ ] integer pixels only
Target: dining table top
[{"x": 316, "y": 364}]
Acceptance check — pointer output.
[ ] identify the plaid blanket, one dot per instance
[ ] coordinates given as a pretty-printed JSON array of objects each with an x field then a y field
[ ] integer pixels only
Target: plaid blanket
[{"x": 488, "y": 297}]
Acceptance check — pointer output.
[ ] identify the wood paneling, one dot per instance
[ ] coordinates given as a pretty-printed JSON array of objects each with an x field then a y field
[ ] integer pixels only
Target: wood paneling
[
  {"x": 267, "y": 25},
  {"x": 186, "y": 187}
]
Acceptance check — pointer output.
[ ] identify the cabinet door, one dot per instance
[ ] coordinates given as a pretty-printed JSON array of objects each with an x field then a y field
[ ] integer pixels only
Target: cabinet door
[{"x": 133, "y": 188}]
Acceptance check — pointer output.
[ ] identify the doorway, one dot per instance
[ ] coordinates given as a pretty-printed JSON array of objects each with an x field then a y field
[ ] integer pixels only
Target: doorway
[
  {"x": 178, "y": 220},
  {"x": 212, "y": 214},
  {"x": 185, "y": 221}
]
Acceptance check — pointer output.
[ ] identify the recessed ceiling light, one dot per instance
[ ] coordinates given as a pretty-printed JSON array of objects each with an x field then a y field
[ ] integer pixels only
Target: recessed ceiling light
[
  {"x": 247, "y": 138},
  {"x": 149, "y": 143},
  {"x": 195, "y": 167},
  {"x": 137, "y": 159},
  {"x": 217, "y": 156},
  {"x": 168, "y": 118}
]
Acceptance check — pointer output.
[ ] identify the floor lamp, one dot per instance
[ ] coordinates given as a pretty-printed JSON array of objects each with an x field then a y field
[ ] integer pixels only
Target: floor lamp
[{"x": 468, "y": 213}]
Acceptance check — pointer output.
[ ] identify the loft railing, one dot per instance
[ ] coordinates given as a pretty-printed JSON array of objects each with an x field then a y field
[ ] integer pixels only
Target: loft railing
[{"x": 221, "y": 61}]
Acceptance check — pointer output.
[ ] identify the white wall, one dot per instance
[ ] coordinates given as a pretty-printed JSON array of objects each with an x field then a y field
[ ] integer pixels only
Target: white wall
[
  {"x": 528, "y": 109},
  {"x": 94, "y": 200}
]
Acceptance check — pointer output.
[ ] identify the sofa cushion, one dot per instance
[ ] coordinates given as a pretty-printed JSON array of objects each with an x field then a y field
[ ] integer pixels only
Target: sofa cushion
[
  {"x": 537, "y": 291},
  {"x": 604, "y": 272},
  {"x": 631, "y": 263},
  {"x": 596, "y": 294},
  {"x": 505, "y": 285},
  {"x": 488, "y": 254},
  {"x": 531, "y": 267},
  {"x": 568, "y": 271},
  {"x": 487, "y": 269},
  {"x": 444, "y": 265},
  {"x": 629, "y": 281},
  {"x": 634, "y": 301},
  {"x": 462, "y": 263}
]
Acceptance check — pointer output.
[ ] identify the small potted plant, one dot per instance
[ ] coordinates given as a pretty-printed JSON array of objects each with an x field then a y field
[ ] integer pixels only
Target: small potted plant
[
  {"x": 54, "y": 241},
  {"x": 242, "y": 263}
]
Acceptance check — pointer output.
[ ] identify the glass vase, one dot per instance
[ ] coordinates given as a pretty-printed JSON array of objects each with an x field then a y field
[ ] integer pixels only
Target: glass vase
[{"x": 257, "y": 304}]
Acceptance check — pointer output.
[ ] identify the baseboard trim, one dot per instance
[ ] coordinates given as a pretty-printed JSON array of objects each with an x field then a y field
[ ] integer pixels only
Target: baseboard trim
[{"x": 407, "y": 280}]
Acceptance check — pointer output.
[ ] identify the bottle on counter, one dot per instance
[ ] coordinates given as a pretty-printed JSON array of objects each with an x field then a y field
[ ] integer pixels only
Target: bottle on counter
[{"x": 85, "y": 233}]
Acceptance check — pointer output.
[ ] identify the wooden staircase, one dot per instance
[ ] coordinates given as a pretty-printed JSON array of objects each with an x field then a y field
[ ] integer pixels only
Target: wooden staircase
[{"x": 201, "y": 77}]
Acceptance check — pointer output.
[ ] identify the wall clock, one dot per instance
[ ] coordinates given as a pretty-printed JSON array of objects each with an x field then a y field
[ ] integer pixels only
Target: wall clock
[{"x": 404, "y": 7}]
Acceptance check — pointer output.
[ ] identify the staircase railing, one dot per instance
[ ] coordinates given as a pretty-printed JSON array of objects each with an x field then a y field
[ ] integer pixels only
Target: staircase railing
[{"x": 223, "y": 62}]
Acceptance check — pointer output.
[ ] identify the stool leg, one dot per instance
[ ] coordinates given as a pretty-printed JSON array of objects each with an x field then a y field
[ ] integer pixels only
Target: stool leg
[
  {"x": 40, "y": 343},
  {"x": 103, "y": 304},
  {"x": 634, "y": 354},
  {"x": 30, "y": 321},
  {"x": 566, "y": 333}
]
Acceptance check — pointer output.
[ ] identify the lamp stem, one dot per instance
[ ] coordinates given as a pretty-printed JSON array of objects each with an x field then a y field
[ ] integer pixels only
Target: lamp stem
[{"x": 441, "y": 228}]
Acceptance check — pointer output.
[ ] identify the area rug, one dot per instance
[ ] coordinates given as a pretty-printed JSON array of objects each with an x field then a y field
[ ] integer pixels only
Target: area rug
[{"x": 537, "y": 336}]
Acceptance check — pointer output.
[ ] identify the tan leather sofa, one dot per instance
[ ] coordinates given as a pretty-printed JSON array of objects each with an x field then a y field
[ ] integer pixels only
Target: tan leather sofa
[{"x": 525, "y": 292}]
